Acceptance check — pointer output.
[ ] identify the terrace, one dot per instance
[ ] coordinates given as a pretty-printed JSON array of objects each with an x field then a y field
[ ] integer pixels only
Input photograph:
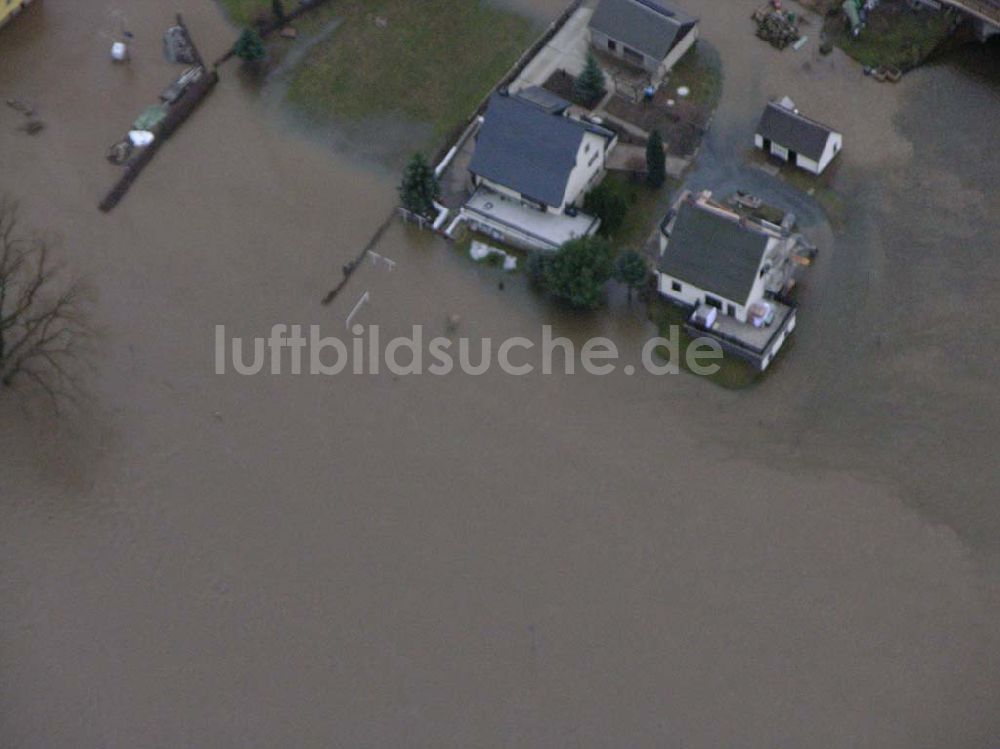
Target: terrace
[
  {"x": 525, "y": 227},
  {"x": 756, "y": 345}
]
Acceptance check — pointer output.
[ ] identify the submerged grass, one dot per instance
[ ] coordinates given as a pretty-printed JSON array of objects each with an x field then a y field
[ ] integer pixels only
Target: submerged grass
[
  {"x": 432, "y": 61},
  {"x": 733, "y": 374}
]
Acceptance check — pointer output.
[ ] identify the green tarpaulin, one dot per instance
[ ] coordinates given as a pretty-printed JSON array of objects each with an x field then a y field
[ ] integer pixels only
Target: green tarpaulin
[
  {"x": 151, "y": 117},
  {"x": 851, "y": 9}
]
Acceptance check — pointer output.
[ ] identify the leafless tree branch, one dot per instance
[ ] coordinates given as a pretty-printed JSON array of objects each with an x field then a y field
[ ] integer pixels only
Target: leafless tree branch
[{"x": 43, "y": 324}]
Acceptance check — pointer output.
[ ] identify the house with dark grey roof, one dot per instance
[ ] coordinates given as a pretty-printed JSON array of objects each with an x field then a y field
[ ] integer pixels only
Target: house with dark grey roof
[
  {"x": 645, "y": 33},
  {"x": 725, "y": 269},
  {"x": 786, "y": 133},
  {"x": 531, "y": 167}
]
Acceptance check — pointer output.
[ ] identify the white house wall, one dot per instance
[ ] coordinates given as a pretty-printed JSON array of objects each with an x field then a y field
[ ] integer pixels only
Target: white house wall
[
  {"x": 833, "y": 146},
  {"x": 674, "y": 56},
  {"x": 658, "y": 69},
  {"x": 589, "y": 168},
  {"x": 692, "y": 295},
  {"x": 760, "y": 282},
  {"x": 600, "y": 41},
  {"x": 778, "y": 342},
  {"x": 808, "y": 164}
]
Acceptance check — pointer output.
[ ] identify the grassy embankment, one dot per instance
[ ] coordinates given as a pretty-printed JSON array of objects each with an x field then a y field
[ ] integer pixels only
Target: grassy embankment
[
  {"x": 895, "y": 36},
  {"x": 432, "y": 61}
]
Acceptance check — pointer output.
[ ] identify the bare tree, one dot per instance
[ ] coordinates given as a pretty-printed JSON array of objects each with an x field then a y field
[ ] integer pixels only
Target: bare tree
[{"x": 43, "y": 331}]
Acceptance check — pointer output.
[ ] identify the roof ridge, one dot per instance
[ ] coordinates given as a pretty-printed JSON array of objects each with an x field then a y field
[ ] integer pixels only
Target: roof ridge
[
  {"x": 795, "y": 113},
  {"x": 732, "y": 217}
]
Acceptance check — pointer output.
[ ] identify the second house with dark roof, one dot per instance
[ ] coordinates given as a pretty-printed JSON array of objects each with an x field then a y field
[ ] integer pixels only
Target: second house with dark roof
[
  {"x": 732, "y": 273},
  {"x": 645, "y": 33},
  {"x": 791, "y": 136}
]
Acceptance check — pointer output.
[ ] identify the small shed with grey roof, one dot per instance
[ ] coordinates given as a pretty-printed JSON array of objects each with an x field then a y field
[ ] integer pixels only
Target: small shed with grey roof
[
  {"x": 645, "y": 33},
  {"x": 791, "y": 136}
]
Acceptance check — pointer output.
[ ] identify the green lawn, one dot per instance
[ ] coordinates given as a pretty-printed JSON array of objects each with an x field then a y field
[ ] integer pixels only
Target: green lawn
[
  {"x": 646, "y": 208},
  {"x": 433, "y": 62},
  {"x": 241, "y": 12},
  {"x": 701, "y": 72},
  {"x": 901, "y": 39}
]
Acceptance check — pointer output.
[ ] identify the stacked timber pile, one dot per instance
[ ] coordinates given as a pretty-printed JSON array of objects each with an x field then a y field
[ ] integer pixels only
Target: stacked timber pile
[{"x": 777, "y": 27}]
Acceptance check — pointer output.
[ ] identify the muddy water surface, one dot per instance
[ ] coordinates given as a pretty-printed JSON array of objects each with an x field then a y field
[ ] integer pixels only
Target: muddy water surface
[{"x": 197, "y": 560}]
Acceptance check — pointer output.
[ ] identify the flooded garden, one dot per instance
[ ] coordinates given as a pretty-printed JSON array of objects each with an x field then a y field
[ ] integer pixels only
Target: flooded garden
[{"x": 195, "y": 559}]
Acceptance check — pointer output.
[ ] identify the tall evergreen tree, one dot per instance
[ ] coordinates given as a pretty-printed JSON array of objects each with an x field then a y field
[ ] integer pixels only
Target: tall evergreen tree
[
  {"x": 631, "y": 270},
  {"x": 250, "y": 47},
  {"x": 656, "y": 161},
  {"x": 589, "y": 85},
  {"x": 419, "y": 188}
]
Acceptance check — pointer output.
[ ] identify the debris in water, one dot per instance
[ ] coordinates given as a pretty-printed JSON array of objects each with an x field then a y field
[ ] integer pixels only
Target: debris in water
[
  {"x": 141, "y": 138},
  {"x": 32, "y": 127},
  {"x": 177, "y": 46},
  {"x": 775, "y": 26},
  {"x": 120, "y": 151},
  {"x": 19, "y": 106}
]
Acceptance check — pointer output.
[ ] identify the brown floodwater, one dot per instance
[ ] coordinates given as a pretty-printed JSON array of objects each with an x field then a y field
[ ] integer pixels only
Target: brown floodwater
[{"x": 199, "y": 560}]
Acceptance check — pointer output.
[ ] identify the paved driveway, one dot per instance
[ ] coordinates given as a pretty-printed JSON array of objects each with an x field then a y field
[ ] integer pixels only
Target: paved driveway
[{"x": 566, "y": 51}]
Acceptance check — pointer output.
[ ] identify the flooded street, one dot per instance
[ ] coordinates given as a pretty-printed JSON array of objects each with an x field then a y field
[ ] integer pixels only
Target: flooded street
[{"x": 224, "y": 561}]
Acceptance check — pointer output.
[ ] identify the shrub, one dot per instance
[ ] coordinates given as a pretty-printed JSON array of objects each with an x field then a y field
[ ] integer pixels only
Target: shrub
[
  {"x": 419, "y": 188},
  {"x": 578, "y": 271},
  {"x": 631, "y": 270},
  {"x": 250, "y": 47},
  {"x": 609, "y": 203},
  {"x": 589, "y": 85}
]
